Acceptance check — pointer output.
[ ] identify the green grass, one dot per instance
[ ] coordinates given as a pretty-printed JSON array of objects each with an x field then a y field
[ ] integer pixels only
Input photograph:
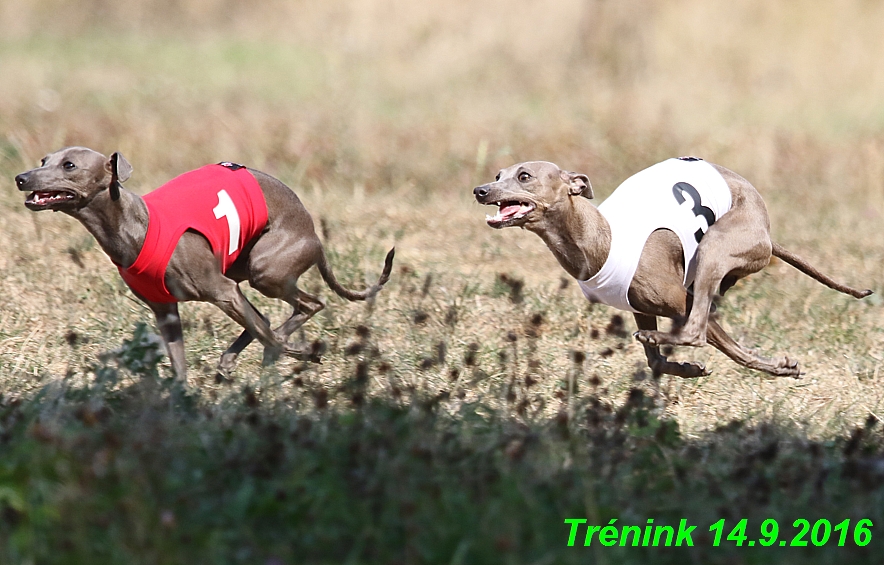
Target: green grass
[{"x": 151, "y": 473}]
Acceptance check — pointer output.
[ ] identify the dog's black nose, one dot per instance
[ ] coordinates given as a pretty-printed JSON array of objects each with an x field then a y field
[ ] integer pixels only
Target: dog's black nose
[
  {"x": 481, "y": 191},
  {"x": 21, "y": 180}
]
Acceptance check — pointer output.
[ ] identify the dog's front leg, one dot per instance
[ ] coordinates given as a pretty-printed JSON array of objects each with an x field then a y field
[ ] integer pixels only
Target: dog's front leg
[{"x": 169, "y": 324}]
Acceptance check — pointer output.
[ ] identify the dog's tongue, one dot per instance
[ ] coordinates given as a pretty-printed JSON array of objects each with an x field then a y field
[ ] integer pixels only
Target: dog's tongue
[{"x": 509, "y": 209}]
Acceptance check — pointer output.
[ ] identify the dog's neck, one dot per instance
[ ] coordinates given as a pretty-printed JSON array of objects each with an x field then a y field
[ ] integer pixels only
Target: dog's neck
[
  {"x": 578, "y": 236},
  {"x": 119, "y": 226}
]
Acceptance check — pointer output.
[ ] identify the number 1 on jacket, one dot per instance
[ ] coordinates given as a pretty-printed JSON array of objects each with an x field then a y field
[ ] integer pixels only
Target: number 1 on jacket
[{"x": 226, "y": 209}]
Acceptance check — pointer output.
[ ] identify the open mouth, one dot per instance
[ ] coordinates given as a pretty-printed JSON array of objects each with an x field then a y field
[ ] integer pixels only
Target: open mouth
[
  {"x": 44, "y": 198},
  {"x": 508, "y": 213}
]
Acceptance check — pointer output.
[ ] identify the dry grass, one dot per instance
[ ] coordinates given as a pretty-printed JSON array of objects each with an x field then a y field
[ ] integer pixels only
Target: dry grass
[
  {"x": 384, "y": 114},
  {"x": 479, "y": 400}
]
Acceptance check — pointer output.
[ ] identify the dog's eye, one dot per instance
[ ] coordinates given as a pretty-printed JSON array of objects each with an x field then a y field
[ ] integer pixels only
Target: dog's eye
[
  {"x": 524, "y": 177},
  {"x": 68, "y": 166},
  {"x": 497, "y": 177},
  {"x": 43, "y": 161}
]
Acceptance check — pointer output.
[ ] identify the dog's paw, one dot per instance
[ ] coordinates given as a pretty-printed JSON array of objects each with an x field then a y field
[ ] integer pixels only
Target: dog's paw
[
  {"x": 307, "y": 353},
  {"x": 224, "y": 370},
  {"x": 783, "y": 367},
  {"x": 222, "y": 375},
  {"x": 788, "y": 368},
  {"x": 657, "y": 338},
  {"x": 647, "y": 337},
  {"x": 691, "y": 370},
  {"x": 686, "y": 370}
]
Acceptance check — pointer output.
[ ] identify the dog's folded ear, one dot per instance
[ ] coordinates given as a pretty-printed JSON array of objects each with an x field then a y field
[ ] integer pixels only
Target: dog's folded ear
[
  {"x": 120, "y": 171},
  {"x": 578, "y": 184}
]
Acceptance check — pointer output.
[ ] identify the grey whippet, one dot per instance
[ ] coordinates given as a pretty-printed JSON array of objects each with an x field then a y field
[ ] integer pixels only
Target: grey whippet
[
  {"x": 555, "y": 205},
  {"x": 85, "y": 185}
]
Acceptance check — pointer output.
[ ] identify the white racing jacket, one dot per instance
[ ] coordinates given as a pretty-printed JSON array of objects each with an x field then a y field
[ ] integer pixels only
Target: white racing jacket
[{"x": 685, "y": 195}]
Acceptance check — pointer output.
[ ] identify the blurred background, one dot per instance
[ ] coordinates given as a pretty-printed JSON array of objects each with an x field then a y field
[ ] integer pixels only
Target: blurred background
[{"x": 386, "y": 93}]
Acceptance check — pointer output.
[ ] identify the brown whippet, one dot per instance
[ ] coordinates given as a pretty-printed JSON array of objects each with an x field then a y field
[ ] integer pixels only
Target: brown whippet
[
  {"x": 555, "y": 205},
  {"x": 85, "y": 185}
]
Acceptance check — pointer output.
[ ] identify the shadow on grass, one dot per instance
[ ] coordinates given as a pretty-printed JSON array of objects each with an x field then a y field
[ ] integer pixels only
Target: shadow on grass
[{"x": 151, "y": 473}]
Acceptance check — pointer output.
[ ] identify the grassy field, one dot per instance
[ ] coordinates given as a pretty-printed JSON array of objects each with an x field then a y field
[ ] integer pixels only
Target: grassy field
[{"x": 479, "y": 401}]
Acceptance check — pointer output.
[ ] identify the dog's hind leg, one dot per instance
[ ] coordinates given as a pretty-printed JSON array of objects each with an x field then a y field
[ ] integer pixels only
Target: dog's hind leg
[
  {"x": 719, "y": 339},
  {"x": 228, "y": 358},
  {"x": 276, "y": 263},
  {"x": 737, "y": 245},
  {"x": 229, "y": 298},
  {"x": 305, "y": 307},
  {"x": 658, "y": 362}
]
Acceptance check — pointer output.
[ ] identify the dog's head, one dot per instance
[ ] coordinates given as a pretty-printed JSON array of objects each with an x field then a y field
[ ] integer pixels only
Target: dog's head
[
  {"x": 524, "y": 193},
  {"x": 70, "y": 178}
]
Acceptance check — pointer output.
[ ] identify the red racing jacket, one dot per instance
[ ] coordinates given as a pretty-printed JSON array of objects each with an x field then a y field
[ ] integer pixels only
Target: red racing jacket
[{"x": 222, "y": 202}]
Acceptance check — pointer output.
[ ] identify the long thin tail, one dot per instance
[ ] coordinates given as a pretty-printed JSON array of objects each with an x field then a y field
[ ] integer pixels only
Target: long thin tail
[
  {"x": 809, "y": 270},
  {"x": 329, "y": 277}
]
